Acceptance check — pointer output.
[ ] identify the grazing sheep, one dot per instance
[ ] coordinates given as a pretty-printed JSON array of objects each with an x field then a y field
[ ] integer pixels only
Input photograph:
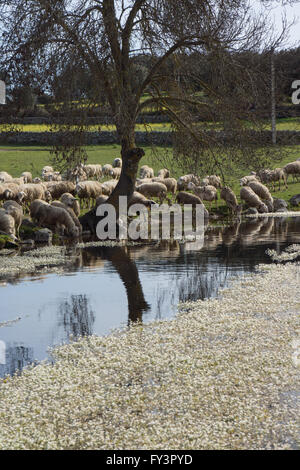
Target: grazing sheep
[
  {"x": 18, "y": 181},
  {"x": 117, "y": 163},
  {"x": 231, "y": 201},
  {"x": 293, "y": 169},
  {"x": 57, "y": 189},
  {"x": 170, "y": 183},
  {"x": 46, "y": 169},
  {"x": 263, "y": 192},
  {"x": 11, "y": 191},
  {"x": 252, "y": 199},
  {"x": 272, "y": 176},
  {"x": 56, "y": 218},
  {"x": 153, "y": 190},
  {"x": 106, "y": 169},
  {"x": 138, "y": 198},
  {"x": 7, "y": 224},
  {"x": 5, "y": 177},
  {"x": 101, "y": 200},
  {"x": 163, "y": 173},
  {"x": 27, "y": 176},
  {"x": 87, "y": 190},
  {"x": 108, "y": 187},
  {"x": 187, "y": 198},
  {"x": 93, "y": 171},
  {"x": 71, "y": 201},
  {"x": 15, "y": 210},
  {"x": 212, "y": 180},
  {"x": 70, "y": 212},
  {"x": 115, "y": 173},
  {"x": 29, "y": 192},
  {"x": 52, "y": 176},
  {"x": 183, "y": 181},
  {"x": 36, "y": 180},
  {"x": 146, "y": 172},
  {"x": 247, "y": 179},
  {"x": 34, "y": 207},
  {"x": 207, "y": 193}
]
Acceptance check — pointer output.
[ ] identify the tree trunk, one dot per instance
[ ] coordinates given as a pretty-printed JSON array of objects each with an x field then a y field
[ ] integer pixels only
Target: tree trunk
[{"x": 125, "y": 187}]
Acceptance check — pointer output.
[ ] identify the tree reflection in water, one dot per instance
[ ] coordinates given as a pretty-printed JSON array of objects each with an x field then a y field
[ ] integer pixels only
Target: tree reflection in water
[
  {"x": 16, "y": 358},
  {"x": 76, "y": 316}
]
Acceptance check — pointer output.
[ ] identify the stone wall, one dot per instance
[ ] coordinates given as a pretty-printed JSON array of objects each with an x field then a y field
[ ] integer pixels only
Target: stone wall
[{"x": 143, "y": 138}]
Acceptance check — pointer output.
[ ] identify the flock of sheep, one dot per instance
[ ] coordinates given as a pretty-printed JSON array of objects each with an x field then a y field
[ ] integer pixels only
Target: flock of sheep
[{"x": 55, "y": 200}]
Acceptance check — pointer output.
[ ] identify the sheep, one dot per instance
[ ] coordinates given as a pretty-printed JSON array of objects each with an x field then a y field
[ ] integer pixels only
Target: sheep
[
  {"x": 7, "y": 224},
  {"x": 101, "y": 200},
  {"x": 163, "y": 173},
  {"x": 117, "y": 163},
  {"x": 87, "y": 190},
  {"x": 292, "y": 168},
  {"x": 46, "y": 169},
  {"x": 115, "y": 173},
  {"x": 5, "y": 177},
  {"x": 93, "y": 171},
  {"x": 56, "y": 218},
  {"x": 71, "y": 201},
  {"x": 170, "y": 183},
  {"x": 146, "y": 172},
  {"x": 108, "y": 187},
  {"x": 52, "y": 176},
  {"x": 183, "y": 181},
  {"x": 187, "y": 198},
  {"x": 36, "y": 180},
  {"x": 18, "y": 181},
  {"x": 29, "y": 192},
  {"x": 106, "y": 169},
  {"x": 277, "y": 175},
  {"x": 247, "y": 179},
  {"x": 252, "y": 199},
  {"x": 57, "y": 189},
  {"x": 153, "y": 190},
  {"x": 15, "y": 210},
  {"x": 271, "y": 176},
  {"x": 207, "y": 193},
  {"x": 263, "y": 192},
  {"x": 75, "y": 175},
  {"x": 70, "y": 212},
  {"x": 212, "y": 180},
  {"x": 231, "y": 201},
  {"x": 27, "y": 176},
  {"x": 138, "y": 198},
  {"x": 11, "y": 191},
  {"x": 34, "y": 207}
]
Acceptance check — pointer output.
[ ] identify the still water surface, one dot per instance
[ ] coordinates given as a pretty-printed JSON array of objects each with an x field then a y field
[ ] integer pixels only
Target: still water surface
[{"x": 110, "y": 287}]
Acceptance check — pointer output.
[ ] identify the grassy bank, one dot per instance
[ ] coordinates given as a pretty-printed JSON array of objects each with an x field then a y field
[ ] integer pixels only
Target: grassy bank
[{"x": 222, "y": 375}]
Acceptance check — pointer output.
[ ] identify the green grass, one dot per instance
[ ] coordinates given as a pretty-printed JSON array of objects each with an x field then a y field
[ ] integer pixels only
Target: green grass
[{"x": 284, "y": 124}]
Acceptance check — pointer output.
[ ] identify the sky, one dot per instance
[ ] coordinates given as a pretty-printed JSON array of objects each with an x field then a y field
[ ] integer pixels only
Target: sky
[{"x": 291, "y": 13}]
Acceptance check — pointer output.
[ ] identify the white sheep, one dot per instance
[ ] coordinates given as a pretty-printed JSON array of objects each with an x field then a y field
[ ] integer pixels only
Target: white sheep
[
  {"x": 115, "y": 173},
  {"x": 158, "y": 190},
  {"x": 69, "y": 200},
  {"x": 5, "y": 177},
  {"x": 106, "y": 169},
  {"x": 229, "y": 197},
  {"x": 117, "y": 163},
  {"x": 7, "y": 224},
  {"x": 252, "y": 199},
  {"x": 146, "y": 172},
  {"x": 15, "y": 210},
  {"x": 27, "y": 176},
  {"x": 293, "y": 169},
  {"x": 163, "y": 173},
  {"x": 207, "y": 193},
  {"x": 56, "y": 218},
  {"x": 70, "y": 212},
  {"x": 87, "y": 190}
]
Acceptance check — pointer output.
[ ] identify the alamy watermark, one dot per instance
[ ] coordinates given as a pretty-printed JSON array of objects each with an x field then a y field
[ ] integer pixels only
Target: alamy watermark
[
  {"x": 296, "y": 93},
  {"x": 2, "y": 352},
  {"x": 160, "y": 222}
]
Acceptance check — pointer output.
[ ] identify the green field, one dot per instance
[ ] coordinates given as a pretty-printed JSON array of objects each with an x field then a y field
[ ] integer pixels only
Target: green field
[
  {"x": 284, "y": 124},
  {"x": 16, "y": 159}
]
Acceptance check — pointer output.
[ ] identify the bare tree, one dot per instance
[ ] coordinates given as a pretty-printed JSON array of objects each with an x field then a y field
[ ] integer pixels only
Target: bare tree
[{"x": 38, "y": 36}]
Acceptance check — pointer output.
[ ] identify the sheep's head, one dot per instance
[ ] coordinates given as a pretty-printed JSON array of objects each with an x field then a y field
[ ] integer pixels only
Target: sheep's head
[{"x": 8, "y": 194}]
